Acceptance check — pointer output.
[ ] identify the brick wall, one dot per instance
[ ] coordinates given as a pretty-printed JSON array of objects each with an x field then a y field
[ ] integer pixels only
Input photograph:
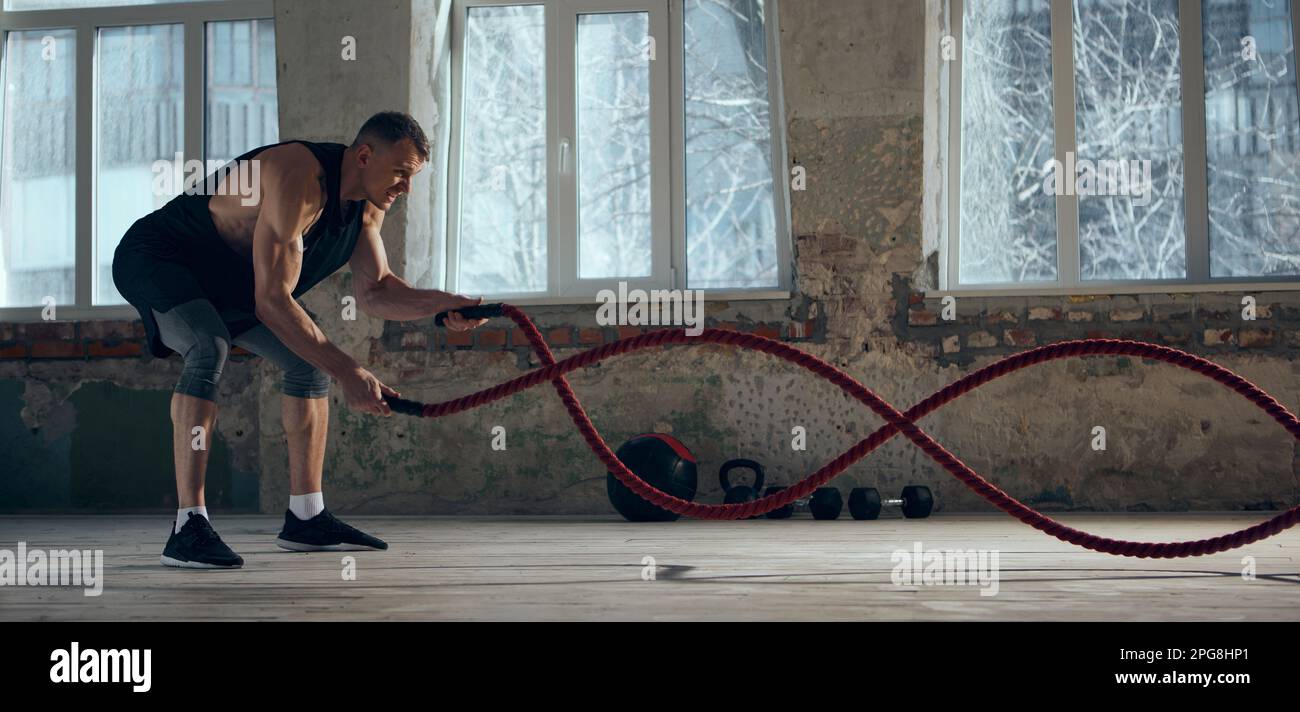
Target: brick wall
[
  {"x": 1201, "y": 323},
  {"x": 78, "y": 340}
]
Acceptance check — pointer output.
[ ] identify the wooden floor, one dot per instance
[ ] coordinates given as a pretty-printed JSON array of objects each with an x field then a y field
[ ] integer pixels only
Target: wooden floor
[{"x": 549, "y": 568}]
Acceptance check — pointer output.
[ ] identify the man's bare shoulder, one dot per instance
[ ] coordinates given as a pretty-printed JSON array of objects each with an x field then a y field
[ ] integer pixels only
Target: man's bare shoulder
[{"x": 291, "y": 160}]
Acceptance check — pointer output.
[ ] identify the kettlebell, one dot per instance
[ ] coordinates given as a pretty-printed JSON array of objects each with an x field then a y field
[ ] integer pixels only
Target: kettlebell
[{"x": 740, "y": 493}]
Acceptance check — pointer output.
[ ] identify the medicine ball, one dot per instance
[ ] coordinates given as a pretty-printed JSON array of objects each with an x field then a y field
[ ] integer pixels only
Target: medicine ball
[{"x": 662, "y": 462}]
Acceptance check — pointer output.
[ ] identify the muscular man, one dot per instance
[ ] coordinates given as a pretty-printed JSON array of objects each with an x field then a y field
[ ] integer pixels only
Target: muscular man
[{"x": 225, "y": 267}]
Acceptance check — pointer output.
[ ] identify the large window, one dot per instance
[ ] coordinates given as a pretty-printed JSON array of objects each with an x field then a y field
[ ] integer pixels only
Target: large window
[
  {"x": 606, "y": 141},
  {"x": 1111, "y": 143},
  {"x": 98, "y": 97}
]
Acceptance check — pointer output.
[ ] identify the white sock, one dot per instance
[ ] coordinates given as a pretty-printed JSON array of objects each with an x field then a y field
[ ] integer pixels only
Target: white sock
[
  {"x": 183, "y": 515},
  {"x": 306, "y": 506}
]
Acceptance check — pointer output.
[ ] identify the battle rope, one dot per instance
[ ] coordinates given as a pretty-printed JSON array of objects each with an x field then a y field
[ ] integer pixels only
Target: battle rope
[{"x": 896, "y": 422}]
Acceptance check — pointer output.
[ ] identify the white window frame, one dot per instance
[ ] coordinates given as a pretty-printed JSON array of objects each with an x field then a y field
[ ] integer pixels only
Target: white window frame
[
  {"x": 1196, "y": 197},
  {"x": 86, "y": 22},
  {"x": 667, "y": 129}
]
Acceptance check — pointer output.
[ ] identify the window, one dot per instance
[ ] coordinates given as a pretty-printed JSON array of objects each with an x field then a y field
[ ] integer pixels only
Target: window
[
  {"x": 604, "y": 141},
  {"x": 1110, "y": 143},
  {"x": 95, "y": 95}
]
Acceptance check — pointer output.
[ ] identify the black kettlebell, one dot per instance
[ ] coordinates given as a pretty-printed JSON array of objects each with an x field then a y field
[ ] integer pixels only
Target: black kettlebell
[{"x": 740, "y": 494}]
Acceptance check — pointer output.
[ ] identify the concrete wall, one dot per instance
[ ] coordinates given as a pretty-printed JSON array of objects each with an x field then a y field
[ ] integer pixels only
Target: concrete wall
[{"x": 854, "y": 96}]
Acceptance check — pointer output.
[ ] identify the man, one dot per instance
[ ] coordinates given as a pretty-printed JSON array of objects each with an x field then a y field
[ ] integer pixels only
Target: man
[{"x": 208, "y": 271}]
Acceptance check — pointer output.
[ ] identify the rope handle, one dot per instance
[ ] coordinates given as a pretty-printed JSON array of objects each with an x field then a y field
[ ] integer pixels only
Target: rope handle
[{"x": 478, "y": 311}]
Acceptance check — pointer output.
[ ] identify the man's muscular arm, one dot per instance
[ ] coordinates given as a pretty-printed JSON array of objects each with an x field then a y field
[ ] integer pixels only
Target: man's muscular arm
[
  {"x": 292, "y": 197},
  {"x": 385, "y": 295}
]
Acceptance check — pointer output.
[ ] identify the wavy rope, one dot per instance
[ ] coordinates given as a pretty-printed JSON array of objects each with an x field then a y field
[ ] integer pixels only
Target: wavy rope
[{"x": 896, "y": 423}]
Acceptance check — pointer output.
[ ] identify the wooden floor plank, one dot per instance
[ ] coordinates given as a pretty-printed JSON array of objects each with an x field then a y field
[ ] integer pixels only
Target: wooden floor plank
[{"x": 590, "y": 568}]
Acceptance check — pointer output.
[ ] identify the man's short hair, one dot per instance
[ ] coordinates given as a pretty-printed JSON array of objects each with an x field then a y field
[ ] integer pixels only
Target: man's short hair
[{"x": 391, "y": 127}]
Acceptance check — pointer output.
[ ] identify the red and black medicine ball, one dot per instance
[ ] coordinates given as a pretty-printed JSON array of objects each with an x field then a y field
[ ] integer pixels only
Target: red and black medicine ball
[{"x": 661, "y": 461}]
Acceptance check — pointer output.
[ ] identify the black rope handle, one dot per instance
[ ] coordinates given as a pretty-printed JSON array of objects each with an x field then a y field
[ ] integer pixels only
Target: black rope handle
[
  {"x": 478, "y": 311},
  {"x": 404, "y": 406}
]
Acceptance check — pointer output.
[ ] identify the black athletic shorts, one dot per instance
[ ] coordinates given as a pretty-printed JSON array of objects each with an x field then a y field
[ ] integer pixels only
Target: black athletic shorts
[{"x": 151, "y": 272}]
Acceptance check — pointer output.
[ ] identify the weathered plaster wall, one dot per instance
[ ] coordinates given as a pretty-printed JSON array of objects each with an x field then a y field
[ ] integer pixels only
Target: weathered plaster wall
[{"x": 95, "y": 434}]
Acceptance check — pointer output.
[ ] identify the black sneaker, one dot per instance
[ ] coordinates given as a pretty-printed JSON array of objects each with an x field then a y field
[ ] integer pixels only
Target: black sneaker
[
  {"x": 324, "y": 532},
  {"x": 197, "y": 546}
]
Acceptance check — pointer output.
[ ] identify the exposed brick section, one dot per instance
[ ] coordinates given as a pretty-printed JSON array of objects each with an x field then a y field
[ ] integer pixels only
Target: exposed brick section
[
  {"x": 491, "y": 338},
  {"x": 627, "y": 332},
  {"x": 1217, "y": 337},
  {"x": 58, "y": 349},
  {"x": 591, "y": 336},
  {"x": 109, "y": 330},
  {"x": 46, "y": 331},
  {"x": 1202, "y": 322},
  {"x": 801, "y": 330},
  {"x": 459, "y": 338},
  {"x": 1122, "y": 315},
  {"x": 1255, "y": 338},
  {"x": 561, "y": 336},
  {"x": 14, "y": 351},
  {"x": 981, "y": 340},
  {"x": 1020, "y": 337},
  {"x": 768, "y": 331},
  {"x": 1171, "y": 312},
  {"x": 415, "y": 341},
  {"x": 114, "y": 349},
  {"x": 921, "y": 317}
]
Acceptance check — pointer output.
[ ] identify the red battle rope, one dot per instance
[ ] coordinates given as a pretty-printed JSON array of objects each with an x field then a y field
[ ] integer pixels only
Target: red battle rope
[{"x": 896, "y": 422}]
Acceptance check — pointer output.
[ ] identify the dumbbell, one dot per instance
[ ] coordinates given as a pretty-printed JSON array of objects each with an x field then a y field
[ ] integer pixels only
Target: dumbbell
[
  {"x": 916, "y": 502},
  {"x": 825, "y": 503}
]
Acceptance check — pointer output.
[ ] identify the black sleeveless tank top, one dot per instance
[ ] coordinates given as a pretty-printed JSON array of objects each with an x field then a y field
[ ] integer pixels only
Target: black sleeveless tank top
[{"x": 182, "y": 232}]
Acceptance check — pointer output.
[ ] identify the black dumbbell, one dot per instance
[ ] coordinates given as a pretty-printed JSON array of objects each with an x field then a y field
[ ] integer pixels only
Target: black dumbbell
[
  {"x": 916, "y": 502},
  {"x": 740, "y": 494},
  {"x": 825, "y": 503}
]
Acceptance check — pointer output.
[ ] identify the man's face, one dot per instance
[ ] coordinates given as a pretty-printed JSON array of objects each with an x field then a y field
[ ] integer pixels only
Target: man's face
[{"x": 386, "y": 171}]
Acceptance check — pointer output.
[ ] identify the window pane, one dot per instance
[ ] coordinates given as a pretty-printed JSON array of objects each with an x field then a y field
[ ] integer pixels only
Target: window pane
[
  {"x": 503, "y": 151},
  {"x": 241, "y": 101},
  {"x": 139, "y": 121},
  {"x": 37, "y": 173},
  {"x": 1251, "y": 126},
  {"x": 614, "y": 204},
  {"x": 62, "y": 4},
  {"x": 1008, "y": 221},
  {"x": 731, "y": 239},
  {"x": 1129, "y": 115}
]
